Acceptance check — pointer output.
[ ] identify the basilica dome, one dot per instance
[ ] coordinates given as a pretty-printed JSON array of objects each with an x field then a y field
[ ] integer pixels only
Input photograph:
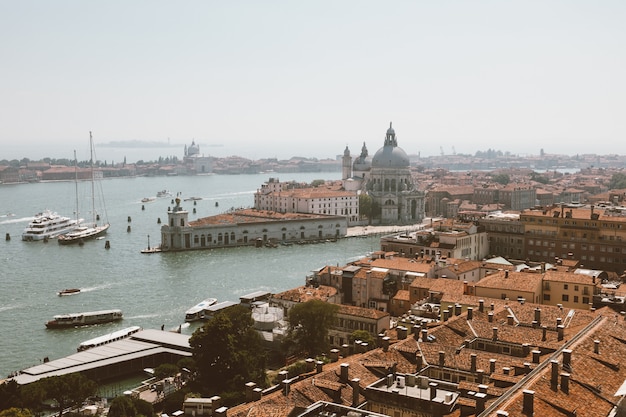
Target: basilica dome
[{"x": 390, "y": 155}]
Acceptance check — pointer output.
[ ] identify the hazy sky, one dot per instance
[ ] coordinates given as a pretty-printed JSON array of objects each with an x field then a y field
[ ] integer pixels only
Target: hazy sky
[{"x": 284, "y": 78}]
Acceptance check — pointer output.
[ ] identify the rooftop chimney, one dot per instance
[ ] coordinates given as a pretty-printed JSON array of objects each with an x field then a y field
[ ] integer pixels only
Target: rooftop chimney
[
  {"x": 565, "y": 382},
  {"x": 495, "y": 333},
  {"x": 567, "y": 359},
  {"x": 344, "y": 372},
  {"x": 536, "y": 356},
  {"x": 560, "y": 328},
  {"x": 492, "y": 365},
  {"x": 528, "y": 406},
  {"x": 470, "y": 313},
  {"x": 433, "y": 389},
  {"x": 424, "y": 334},
  {"x": 481, "y": 305},
  {"x": 554, "y": 377},
  {"x": 446, "y": 314},
  {"x": 419, "y": 362},
  {"x": 386, "y": 343},
  {"x": 480, "y": 398},
  {"x": 538, "y": 315},
  {"x": 509, "y": 320},
  {"x": 473, "y": 357},
  {"x": 457, "y": 309},
  {"x": 596, "y": 347},
  {"x": 356, "y": 391},
  {"x": 544, "y": 333},
  {"x": 490, "y": 317},
  {"x": 442, "y": 358}
]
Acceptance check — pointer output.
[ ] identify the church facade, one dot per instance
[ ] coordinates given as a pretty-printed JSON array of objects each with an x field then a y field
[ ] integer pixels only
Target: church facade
[{"x": 386, "y": 178}]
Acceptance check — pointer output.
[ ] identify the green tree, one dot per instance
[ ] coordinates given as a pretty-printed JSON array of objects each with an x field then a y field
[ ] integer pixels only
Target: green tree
[
  {"x": 165, "y": 370},
  {"x": 317, "y": 183},
  {"x": 365, "y": 206},
  {"x": 122, "y": 406},
  {"x": 364, "y": 336},
  {"x": 228, "y": 352},
  {"x": 10, "y": 395},
  {"x": 16, "y": 412},
  {"x": 309, "y": 325},
  {"x": 503, "y": 179},
  {"x": 68, "y": 390},
  {"x": 618, "y": 181}
]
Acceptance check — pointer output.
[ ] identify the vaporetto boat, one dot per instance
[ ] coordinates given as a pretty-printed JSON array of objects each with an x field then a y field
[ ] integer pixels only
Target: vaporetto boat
[
  {"x": 108, "y": 338},
  {"x": 84, "y": 319},
  {"x": 196, "y": 312},
  {"x": 48, "y": 224}
]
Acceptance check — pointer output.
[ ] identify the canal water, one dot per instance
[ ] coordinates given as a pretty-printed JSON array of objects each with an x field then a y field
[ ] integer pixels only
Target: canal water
[{"x": 152, "y": 290}]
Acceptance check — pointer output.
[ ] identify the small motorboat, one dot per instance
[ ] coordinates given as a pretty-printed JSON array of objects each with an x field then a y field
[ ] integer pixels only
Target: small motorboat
[{"x": 69, "y": 291}]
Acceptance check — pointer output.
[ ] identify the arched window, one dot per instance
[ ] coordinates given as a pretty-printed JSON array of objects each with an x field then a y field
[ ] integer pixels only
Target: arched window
[{"x": 182, "y": 222}]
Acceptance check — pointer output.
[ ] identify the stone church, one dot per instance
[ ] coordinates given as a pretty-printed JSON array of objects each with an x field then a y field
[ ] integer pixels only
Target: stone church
[{"x": 386, "y": 177}]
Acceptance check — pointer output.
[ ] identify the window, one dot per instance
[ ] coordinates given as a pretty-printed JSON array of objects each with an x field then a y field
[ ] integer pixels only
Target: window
[
  {"x": 546, "y": 297},
  {"x": 565, "y": 297},
  {"x": 565, "y": 286},
  {"x": 575, "y": 298}
]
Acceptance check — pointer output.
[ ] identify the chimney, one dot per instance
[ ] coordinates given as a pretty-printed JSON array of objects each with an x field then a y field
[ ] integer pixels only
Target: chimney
[
  {"x": 480, "y": 376},
  {"x": 221, "y": 411},
  {"x": 492, "y": 365},
  {"x": 481, "y": 305},
  {"x": 446, "y": 314},
  {"x": 554, "y": 377},
  {"x": 345, "y": 350},
  {"x": 509, "y": 320},
  {"x": 544, "y": 333},
  {"x": 442, "y": 358},
  {"x": 490, "y": 317},
  {"x": 480, "y": 398},
  {"x": 386, "y": 343},
  {"x": 356, "y": 391},
  {"x": 416, "y": 332},
  {"x": 334, "y": 355},
  {"x": 493, "y": 306},
  {"x": 457, "y": 309},
  {"x": 495, "y": 333},
  {"x": 433, "y": 390},
  {"x": 596, "y": 347},
  {"x": 506, "y": 370},
  {"x": 310, "y": 364},
  {"x": 282, "y": 375},
  {"x": 470, "y": 313},
  {"x": 286, "y": 386},
  {"x": 559, "y": 330},
  {"x": 538, "y": 315},
  {"x": 565, "y": 382},
  {"x": 473, "y": 362},
  {"x": 567, "y": 359},
  {"x": 536, "y": 356},
  {"x": 250, "y": 392},
  {"x": 526, "y": 368},
  {"x": 424, "y": 334},
  {"x": 559, "y": 321},
  {"x": 344, "y": 372},
  {"x": 402, "y": 332},
  {"x": 528, "y": 406},
  {"x": 319, "y": 365},
  {"x": 420, "y": 361}
]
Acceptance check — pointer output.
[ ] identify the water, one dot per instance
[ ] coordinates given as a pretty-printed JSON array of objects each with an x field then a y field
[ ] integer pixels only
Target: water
[{"x": 152, "y": 290}]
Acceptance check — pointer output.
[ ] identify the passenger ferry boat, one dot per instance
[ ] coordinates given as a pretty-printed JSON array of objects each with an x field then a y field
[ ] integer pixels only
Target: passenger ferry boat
[
  {"x": 108, "y": 338},
  {"x": 84, "y": 319},
  {"x": 196, "y": 312},
  {"x": 48, "y": 224}
]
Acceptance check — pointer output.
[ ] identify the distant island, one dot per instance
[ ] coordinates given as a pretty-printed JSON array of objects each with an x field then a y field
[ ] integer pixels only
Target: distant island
[{"x": 147, "y": 144}]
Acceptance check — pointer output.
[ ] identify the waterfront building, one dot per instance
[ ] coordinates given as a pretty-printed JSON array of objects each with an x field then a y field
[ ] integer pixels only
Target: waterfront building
[
  {"x": 195, "y": 161},
  {"x": 291, "y": 197},
  {"x": 246, "y": 227}
]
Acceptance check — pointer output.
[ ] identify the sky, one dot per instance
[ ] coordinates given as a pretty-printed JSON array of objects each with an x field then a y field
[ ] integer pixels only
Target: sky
[{"x": 276, "y": 79}]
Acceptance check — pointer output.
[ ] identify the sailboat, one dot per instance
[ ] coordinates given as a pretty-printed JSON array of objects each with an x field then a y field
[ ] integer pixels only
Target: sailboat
[{"x": 86, "y": 230}]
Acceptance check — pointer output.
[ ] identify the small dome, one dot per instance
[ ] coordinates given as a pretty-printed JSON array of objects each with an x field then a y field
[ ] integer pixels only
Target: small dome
[{"x": 362, "y": 163}]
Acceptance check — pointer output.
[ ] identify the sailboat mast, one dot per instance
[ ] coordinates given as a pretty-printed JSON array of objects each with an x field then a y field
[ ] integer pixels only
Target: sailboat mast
[
  {"x": 93, "y": 193},
  {"x": 76, "y": 184}
]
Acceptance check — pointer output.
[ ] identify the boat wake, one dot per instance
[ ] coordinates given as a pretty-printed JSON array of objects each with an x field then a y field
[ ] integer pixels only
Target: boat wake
[
  {"x": 143, "y": 316},
  {"x": 7, "y": 308},
  {"x": 14, "y": 220}
]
